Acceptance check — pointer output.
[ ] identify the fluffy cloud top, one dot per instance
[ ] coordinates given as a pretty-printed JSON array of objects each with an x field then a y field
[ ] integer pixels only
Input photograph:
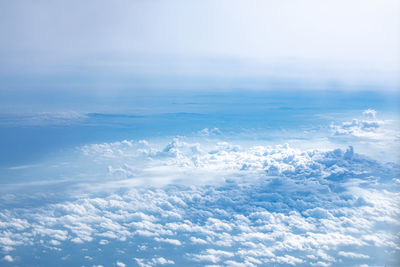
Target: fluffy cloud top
[
  {"x": 366, "y": 128},
  {"x": 264, "y": 206}
]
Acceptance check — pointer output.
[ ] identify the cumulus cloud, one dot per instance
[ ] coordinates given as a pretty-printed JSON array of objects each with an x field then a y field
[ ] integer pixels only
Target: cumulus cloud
[
  {"x": 288, "y": 259},
  {"x": 271, "y": 205},
  {"x": 366, "y": 128},
  {"x": 185, "y": 163},
  {"x": 370, "y": 113},
  {"x": 370, "y": 134},
  {"x": 153, "y": 262},
  {"x": 8, "y": 258},
  {"x": 198, "y": 240},
  {"x": 162, "y": 261},
  {"x": 169, "y": 240}
]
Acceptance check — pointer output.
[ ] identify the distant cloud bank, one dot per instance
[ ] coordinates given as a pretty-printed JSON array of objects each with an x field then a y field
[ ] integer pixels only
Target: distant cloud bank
[{"x": 266, "y": 205}]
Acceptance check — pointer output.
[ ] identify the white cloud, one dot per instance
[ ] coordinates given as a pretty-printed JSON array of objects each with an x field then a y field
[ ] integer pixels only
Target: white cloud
[
  {"x": 210, "y": 132},
  {"x": 288, "y": 259},
  {"x": 321, "y": 264},
  {"x": 353, "y": 255},
  {"x": 220, "y": 253},
  {"x": 198, "y": 240},
  {"x": 370, "y": 113},
  {"x": 286, "y": 204},
  {"x": 205, "y": 258},
  {"x": 103, "y": 242},
  {"x": 238, "y": 264},
  {"x": 8, "y": 258},
  {"x": 55, "y": 242},
  {"x": 162, "y": 261},
  {"x": 362, "y": 128},
  {"x": 169, "y": 240}
]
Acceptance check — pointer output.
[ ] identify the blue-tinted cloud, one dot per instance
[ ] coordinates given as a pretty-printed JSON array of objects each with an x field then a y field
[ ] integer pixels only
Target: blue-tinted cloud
[{"x": 265, "y": 205}]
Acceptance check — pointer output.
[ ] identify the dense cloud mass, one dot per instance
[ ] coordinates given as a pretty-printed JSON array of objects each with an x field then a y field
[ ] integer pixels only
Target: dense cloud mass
[
  {"x": 370, "y": 127},
  {"x": 217, "y": 206}
]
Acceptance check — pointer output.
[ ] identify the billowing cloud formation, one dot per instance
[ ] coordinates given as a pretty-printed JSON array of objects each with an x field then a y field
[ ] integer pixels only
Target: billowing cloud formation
[
  {"x": 177, "y": 159},
  {"x": 366, "y": 128},
  {"x": 266, "y": 206},
  {"x": 369, "y": 134},
  {"x": 370, "y": 113}
]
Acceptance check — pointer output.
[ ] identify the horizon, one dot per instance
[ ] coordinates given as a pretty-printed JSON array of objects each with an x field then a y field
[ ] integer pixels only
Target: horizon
[{"x": 216, "y": 133}]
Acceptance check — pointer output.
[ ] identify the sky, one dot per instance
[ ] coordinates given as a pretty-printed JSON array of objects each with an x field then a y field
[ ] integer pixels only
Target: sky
[
  {"x": 100, "y": 41},
  {"x": 199, "y": 133}
]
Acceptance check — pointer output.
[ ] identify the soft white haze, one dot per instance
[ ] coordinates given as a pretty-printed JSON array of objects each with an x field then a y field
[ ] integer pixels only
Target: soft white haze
[{"x": 174, "y": 36}]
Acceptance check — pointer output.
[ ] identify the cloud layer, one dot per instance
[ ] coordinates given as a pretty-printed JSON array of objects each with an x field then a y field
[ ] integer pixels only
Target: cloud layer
[{"x": 218, "y": 206}]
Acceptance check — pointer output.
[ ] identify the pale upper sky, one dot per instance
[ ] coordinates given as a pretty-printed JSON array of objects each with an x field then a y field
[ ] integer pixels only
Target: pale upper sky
[{"x": 207, "y": 36}]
